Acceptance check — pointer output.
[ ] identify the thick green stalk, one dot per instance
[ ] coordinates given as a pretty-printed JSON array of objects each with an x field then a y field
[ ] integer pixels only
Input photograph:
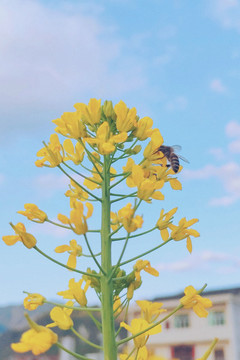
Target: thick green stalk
[{"x": 108, "y": 329}]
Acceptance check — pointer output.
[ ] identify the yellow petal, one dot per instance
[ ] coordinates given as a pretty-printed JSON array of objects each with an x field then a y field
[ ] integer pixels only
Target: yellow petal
[
  {"x": 175, "y": 184},
  {"x": 62, "y": 248},
  {"x": 189, "y": 244}
]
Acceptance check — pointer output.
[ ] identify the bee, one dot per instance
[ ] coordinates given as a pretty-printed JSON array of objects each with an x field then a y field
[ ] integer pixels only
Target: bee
[{"x": 169, "y": 153}]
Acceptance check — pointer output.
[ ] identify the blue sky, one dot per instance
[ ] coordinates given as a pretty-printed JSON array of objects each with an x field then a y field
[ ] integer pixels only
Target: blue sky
[{"x": 177, "y": 62}]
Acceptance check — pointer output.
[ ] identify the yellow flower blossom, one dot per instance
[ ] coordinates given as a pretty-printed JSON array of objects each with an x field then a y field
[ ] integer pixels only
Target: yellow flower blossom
[
  {"x": 75, "y": 154},
  {"x": 150, "y": 310},
  {"x": 147, "y": 188},
  {"x": 76, "y": 292},
  {"x": 91, "y": 113},
  {"x": 53, "y": 153},
  {"x": 195, "y": 301},
  {"x": 71, "y": 125},
  {"x": 38, "y": 340},
  {"x": 146, "y": 266},
  {"x": 181, "y": 231},
  {"x": 76, "y": 192},
  {"x": 77, "y": 220},
  {"x": 73, "y": 249},
  {"x": 155, "y": 142},
  {"x": 104, "y": 139},
  {"x": 143, "y": 128},
  {"x": 126, "y": 217},
  {"x": 164, "y": 221},
  {"x": 126, "y": 118},
  {"x": 138, "y": 325},
  {"x": 32, "y": 212},
  {"x": 21, "y": 235},
  {"x": 61, "y": 317},
  {"x": 32, "y": 301}
]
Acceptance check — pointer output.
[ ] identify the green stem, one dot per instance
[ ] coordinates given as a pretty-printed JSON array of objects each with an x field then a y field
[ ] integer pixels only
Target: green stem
[
  {"x": 72, "y": 307},
  {"x": 84, "y": 189},
  {"x": 120, "y": 258},
  {"x": 108, "y": 329},
  {"x": 77, "y": 356},
  {"x": 145, "y": 253},
  {"x": 124, "y": 197},
  {"x": 119, "y": 181},
  {"x": 93, "y": 256},
  {"x": 67, "y": 267},
  {"x": 133, "y": 236},
  {"x": 96, "y": 322},
  {"x": 91, "y": 157},
  {"x": 85, "y": 340},
  {"x": 158, "y": 322},
  {"x": 78, "y": 173}
]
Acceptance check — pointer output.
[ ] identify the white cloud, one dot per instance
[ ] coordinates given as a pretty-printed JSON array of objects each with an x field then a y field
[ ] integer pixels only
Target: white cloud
[
  {"x": 178, "y": 103},
  {"x": 226, "y": 12},
  {"x": 232, "y": 129},
  {"x": 199, "y": 261},
  {"x": 218, "y": 153},
  {"x": 216, "y": 85},
  {"x": 228, "y": 174},
  {"x": 52, "y": 56}
]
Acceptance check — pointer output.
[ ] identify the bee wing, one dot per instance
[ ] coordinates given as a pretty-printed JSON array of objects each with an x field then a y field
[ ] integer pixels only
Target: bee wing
[
  {"x": 176, "y": 147},
  {"x": 182, "y": 158}
]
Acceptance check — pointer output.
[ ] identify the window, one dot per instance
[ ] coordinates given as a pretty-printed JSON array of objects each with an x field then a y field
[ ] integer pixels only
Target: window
[
  {"x": 216, "y": 318},
  {"x": 219, "y": 355},
  {"x": 181, "y": 321}
]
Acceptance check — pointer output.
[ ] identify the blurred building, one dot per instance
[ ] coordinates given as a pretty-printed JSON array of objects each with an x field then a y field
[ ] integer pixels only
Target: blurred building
[{"x": 185, "y": 336}]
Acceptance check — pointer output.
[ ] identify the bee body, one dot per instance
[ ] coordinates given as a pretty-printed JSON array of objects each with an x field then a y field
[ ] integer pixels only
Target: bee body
[{"x": 168, "y": 152}]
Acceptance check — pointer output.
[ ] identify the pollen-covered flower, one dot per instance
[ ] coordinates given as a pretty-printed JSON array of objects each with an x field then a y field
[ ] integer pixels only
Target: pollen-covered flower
[
  {"x": 71, "y": 125},
  {"x": 75, "y": 291},
  {"x": 150, "y": 310},
  {"x": 74, "y": 251},
  {"x": 147, "y": 188},
  {"x": 104, "y": 139},
  {"x": 77, "y": 220},
  {"x": 91, "y": 113},
  {"x": 164, "y": 221},
  {"x": 143, "y": 128},
  {"x": 61, "y": 317},
  {"x": 76, "y": 192},
  {"x": 126, "y": 118},
  {"x": 138, "y": 325},
  {"x": 76, "y": 154},
  {"x": 181, "y": 231},
  {"x": 21, "y": 235},
  {"x": 32, "y": 301},
  {"x": 195, "y": 301},
  {"x": 32, "y": 212},
  {"x": 53, "y": 153},
  {"x": 39, "y": 339}
]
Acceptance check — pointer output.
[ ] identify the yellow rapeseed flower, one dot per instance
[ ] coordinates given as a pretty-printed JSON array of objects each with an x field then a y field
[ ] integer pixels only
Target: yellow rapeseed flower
[
  {"x": 126, "y": 118},
  {"x": 77, "y": 220},
  {"x": 61, "y": 317},
  {"x": 71, "y": 125},
  {"x": 164, "y": 221},
  {"x": 125, "y": 216},
  {"x": 53, "y": 153},
  {"x": 150, "y": 310},
  {"x": 146, "y": 266},
  {"x": 32, "y": 212},
  {"x": 76, "y": 292},
  {"x": 143, "y": 128},
  {"x": 75, "y": 154},
  {"x": 21, "y": 235},
  {"x": 91, "y": 113},
  {"x": 138, "y": 325},
  {"x": 181, "y": 231},
  {"x": 76, "y": 192},
  {"x": 32, "y": 301},
  {"x": 38, "y": 340},
  {"x": 104, "y": 139},
  {"x": 74, "y": 251},
  {"x": 195, "y": 301}
]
